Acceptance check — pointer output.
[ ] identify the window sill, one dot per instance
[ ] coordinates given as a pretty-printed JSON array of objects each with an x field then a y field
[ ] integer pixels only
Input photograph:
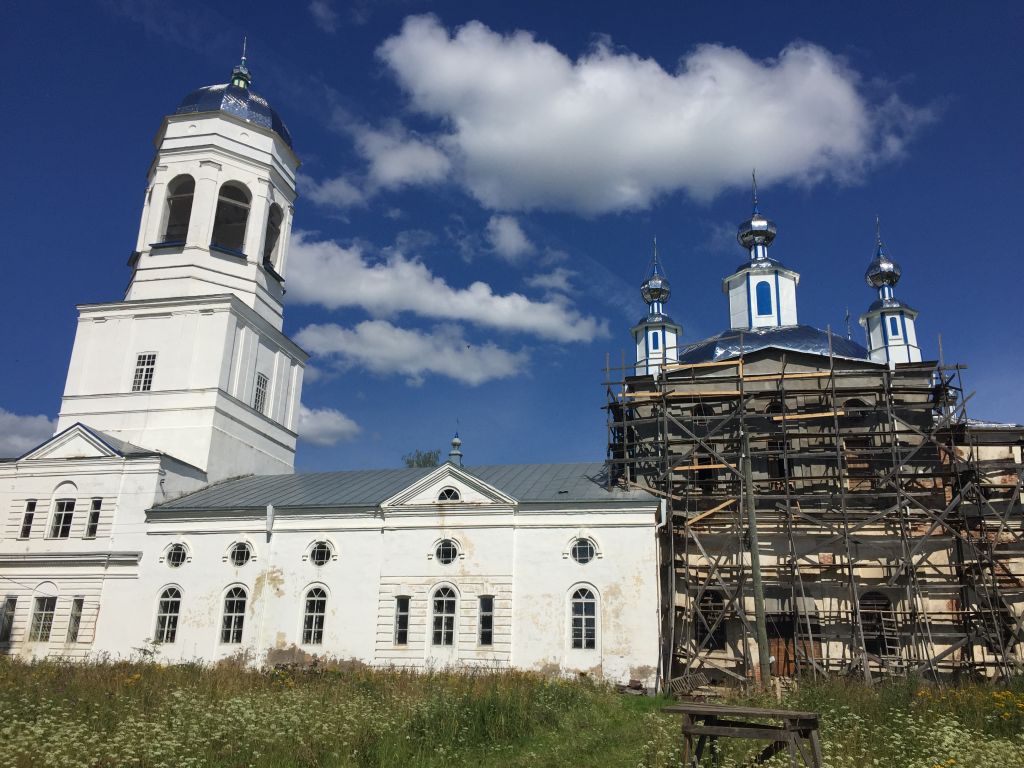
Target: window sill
[
  {"x": 228, "y": 251},
  {"x": 269, "y": 269},
  {"x": 167, "y": 244}
]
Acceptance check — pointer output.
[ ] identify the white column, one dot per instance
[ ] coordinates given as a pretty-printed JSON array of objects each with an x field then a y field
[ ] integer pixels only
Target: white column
[{"x": 204, "y": 204}]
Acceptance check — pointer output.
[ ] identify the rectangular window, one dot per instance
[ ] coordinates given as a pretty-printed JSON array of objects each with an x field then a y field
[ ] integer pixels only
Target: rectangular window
[
  {"x": 94, "y": 519},
  {"x": 26, "y": 521},
  {"x": 61, "y": 526},
  {"x": 486, "y": 620},
  {"x": 145, "y": 364},
  {"x": 259, "y": 400},
  {"x": 42, "y": 619},
  {"x": 75, "y": 620},
  {"x": 402, "y": 620},
  {"x": 894, "y": 328},
  {"x": 7, "y": 618}
]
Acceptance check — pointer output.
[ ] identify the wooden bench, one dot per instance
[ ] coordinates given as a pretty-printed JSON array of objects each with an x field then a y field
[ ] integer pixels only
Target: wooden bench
[{"x": 797, "y": 733}]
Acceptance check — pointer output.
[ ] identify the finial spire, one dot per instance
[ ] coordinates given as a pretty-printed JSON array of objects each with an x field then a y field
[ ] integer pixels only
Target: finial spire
[
  {"x": 753, "y": 186},
  {"x": 241, "y": 77},
  {"x": 878, "y": 231},
  {"x": 455, "y": 455}
]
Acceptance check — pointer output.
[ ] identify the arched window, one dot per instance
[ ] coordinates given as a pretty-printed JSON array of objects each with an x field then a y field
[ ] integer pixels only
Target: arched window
[
  {"x": 234, "y": 616},
  {"x": 179, "y": 209},
  {"x": 448, "y": 494},
  {"x": 654, "y": 341},
  {"x": 273, "y": 234},
  {"x": 763, "y": 292},
  {"x": 231, "y": 218},
  {"x": 167, "y": 615},
  {"x": 584, "y": 619},
  {"x": 313, "y": 618},
  {"x": 444, "y": 616}
]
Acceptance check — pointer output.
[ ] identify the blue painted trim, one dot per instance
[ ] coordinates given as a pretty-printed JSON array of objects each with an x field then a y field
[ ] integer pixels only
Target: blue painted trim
[
  {"x": 167, "y": 244},
  {"x": 906, "y": 339},
  {"x": 750, "y": 305},
  {"x": 228, "y": 251},
  {"x": 885, "y": 336}
]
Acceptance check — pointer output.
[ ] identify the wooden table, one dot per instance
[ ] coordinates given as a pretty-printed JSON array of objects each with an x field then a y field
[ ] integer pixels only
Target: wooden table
[{"x": 798, "y": 732}]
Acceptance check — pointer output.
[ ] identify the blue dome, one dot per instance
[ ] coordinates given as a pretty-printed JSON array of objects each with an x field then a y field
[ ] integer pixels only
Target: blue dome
[{"x": 241, "y": 102}]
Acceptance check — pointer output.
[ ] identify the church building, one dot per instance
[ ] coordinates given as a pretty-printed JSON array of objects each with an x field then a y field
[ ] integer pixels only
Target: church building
[{"x": 164, "y": 514}]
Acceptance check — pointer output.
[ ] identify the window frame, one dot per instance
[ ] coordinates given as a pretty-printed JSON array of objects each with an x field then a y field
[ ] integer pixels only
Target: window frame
[
  {"x": 232, "y": 626},
  {"x": 320, "y": 545},
  {"x": 763, "y": 298},
  {"x": 168, "y": 611},
  {"x": 7, "y": 612},
  {"x": 578, "y": 542},
  {"x": 176, "y": 547},
  {"x": 145, "y": 372},
  {"x": 224, "y": 207},
  {"x": 582, "y": 598},
  {"x": 261, "y": 394},
  {"x": 237, "y": 547},
  {"x": 314, "y": 615},
  {"x": 92, "y": 526},
  {"x": 28, "y": 518},
  {"x": 447, "y": 543},
  {"x": 401, "y": 633},
  {"x": 449, "y": 494},
  {"x": 485, "y": 621},
  {"x": 443, "y": 622},
  {"x": 44, "y": 608},
  {"x": 62, "y": 519},
  {"x": 270, "y": 247},
  {"x": 75, "y": 619}
]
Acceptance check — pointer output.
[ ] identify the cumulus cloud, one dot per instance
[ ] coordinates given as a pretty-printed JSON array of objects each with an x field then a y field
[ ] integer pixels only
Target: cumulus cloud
[
  {"x": 325, "y": 426},
  {"x": 558, "y": 279},
  {"x": 20, "y": 434},
  {"x": 324, "y": 15},
  {"x": 383, "y": 348},
  {"x": 397, "y": 158},
  {"x": 331, "y": 193},
  {"x": 507, "y": 238},
  {"x": 325, "y": 273},
  {"x": 529, "y": 127}
]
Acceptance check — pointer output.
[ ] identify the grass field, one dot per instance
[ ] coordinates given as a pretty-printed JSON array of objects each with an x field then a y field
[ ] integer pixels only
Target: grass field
[{"x": 121, "y": 714}]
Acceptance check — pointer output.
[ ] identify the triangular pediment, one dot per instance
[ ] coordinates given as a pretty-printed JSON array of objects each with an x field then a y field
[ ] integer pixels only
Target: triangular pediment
[
  {"x": 75, "y": 442},
  {"x": 427, "y": 491}
]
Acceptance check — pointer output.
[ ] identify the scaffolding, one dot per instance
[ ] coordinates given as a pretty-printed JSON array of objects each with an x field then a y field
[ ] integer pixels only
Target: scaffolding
[{"x": 888, "y": 526}]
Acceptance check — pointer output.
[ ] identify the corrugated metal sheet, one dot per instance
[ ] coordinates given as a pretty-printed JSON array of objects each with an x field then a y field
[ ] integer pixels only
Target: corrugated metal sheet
[{"x": 525, "y": 482}]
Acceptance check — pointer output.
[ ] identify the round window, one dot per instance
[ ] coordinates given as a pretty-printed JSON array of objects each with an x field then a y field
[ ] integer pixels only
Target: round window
[
  {"x": 583, "y": 551},
  {"x": 321, "y": 553},
  {"x": 240, "y": 554},
  {"x": 447, "y": 551},
  {"x": 176, "y": 555}
]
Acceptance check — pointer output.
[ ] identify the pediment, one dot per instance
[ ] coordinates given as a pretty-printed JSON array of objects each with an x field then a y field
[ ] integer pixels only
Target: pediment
[
  {"x": 472, "y": 491},
  {"x": 75, "y": 442}
]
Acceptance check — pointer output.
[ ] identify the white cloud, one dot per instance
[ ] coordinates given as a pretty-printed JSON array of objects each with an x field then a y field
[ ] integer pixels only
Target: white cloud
[
  {"x": 20, "y": 434},
  {"x": 530, "y": 127},
  {"x": 332, "y": 193},
  {"x": 397, "y": 158},
  {"x": 383, "y": 348},
  {"x": 325, "y": 273},
  {"x": 558, "y": 279},
  {"x": 507, "y": 238},
  {"x": 324, "y": 15},
  {"x": 325, "y": 426}
]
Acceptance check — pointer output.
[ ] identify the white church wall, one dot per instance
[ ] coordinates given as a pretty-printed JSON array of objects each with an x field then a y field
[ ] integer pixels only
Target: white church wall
[{"x": 787, "y": 300}]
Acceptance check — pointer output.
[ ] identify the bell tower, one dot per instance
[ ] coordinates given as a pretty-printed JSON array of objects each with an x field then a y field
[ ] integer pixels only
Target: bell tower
[
  {"x": 193, "y": 362},
  {"x": 657, "y": 335},
  {"x": 218, "y": 209}
]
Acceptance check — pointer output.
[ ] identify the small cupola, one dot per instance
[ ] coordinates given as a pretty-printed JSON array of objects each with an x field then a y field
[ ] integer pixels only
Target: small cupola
[
  {"x": 891, "y": 325},
  {"x": 762, "y": 292},
  {"x": 656, "y": 335}
]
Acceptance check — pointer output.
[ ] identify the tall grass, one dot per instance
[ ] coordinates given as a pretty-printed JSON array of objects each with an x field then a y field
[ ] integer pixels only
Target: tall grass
[{"x": 100, "y": 715}]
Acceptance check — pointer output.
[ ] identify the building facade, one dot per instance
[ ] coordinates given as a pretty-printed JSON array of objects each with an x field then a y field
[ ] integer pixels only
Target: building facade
[{"x": 164, "y": 519}]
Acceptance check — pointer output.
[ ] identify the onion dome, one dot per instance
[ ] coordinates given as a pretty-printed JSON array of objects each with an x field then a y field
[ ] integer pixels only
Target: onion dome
[
  {"x": 236, "y": 98},
  {"x": 757, "y": 230},
  {"x": 882, "y": 270},
  {"x": 655, "y": 289}
]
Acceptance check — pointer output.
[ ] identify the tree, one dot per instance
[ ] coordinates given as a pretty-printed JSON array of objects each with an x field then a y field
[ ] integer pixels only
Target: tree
[{"x": 420, "y": 458}]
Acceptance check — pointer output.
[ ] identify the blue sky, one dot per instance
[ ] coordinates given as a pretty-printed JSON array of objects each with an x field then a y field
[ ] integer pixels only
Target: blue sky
[{"x": 496, "y": 172}]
